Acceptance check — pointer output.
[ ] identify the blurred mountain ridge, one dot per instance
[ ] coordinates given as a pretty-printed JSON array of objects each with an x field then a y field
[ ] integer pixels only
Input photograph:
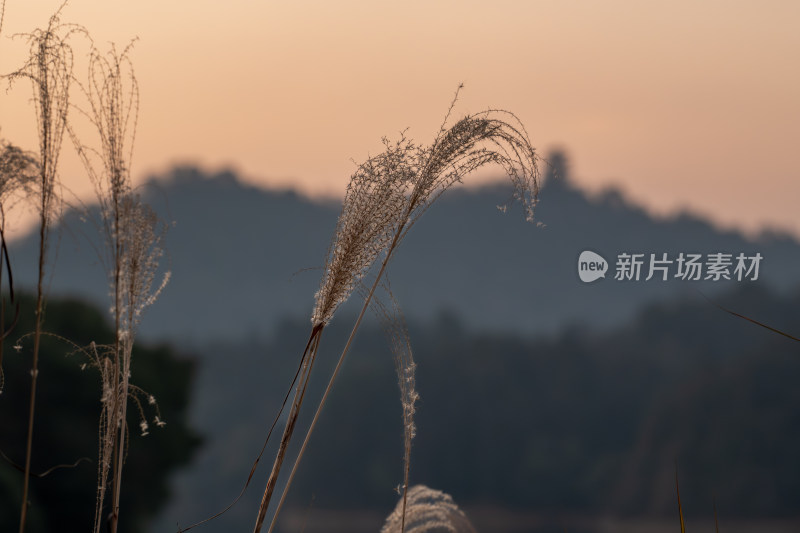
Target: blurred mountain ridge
[{"x": 241, "y": 257}]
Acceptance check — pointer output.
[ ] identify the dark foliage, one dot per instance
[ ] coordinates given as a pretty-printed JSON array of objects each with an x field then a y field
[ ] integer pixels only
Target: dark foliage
[
  {"x": 67, "y": 416},
  {"x": 584, "y": 422}
]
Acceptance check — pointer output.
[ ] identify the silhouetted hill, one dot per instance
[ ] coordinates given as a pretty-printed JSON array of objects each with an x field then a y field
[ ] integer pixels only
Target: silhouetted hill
[{"x": 238, "y": 253}]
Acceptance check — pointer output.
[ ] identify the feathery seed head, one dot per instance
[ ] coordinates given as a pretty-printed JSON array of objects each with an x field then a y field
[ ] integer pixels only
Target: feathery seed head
[
  {"x": 49, "y": 69},
  {"x": 18, "y": 171},
  {"x": 389, "y": 192},
  {"x": 428, "y": 511}
]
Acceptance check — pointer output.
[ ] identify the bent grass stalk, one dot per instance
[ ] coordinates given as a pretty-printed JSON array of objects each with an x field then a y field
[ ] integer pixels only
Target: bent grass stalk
[
  {"x": 397, "y": 332},
  {"x": 394, "y": 325},
  {"x": 387, "y": 194}
]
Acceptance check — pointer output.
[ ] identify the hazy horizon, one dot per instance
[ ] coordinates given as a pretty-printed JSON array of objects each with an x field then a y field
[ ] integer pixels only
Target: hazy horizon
[
  {"x": 684, "y": 106},
  {"x": 23, "y": 219}
]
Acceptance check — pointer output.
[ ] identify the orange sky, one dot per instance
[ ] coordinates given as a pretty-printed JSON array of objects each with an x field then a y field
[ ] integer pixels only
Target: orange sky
[{"x": 682, "y": 103}]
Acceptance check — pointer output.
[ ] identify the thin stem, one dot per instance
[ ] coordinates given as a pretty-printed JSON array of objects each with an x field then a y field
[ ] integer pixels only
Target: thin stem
[
  {"x": 49, "y": 68},
  {"x": 406, "y": 472},
  {"x": 35, "y": 366},
  {"x": 346, "y": 349},
  {"x": 309, "y": 355},
  {"x": 121, "y": 455},
  {"x": 263, "y": 446},
  {"x": 118, "y": 450}
]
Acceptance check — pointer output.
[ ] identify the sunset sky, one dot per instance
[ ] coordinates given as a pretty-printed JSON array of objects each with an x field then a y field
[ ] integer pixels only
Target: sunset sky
[{"x": 684, "y": 104}]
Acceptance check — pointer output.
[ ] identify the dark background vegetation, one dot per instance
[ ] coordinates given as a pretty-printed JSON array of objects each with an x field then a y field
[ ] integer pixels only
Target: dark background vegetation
[
  {"x": 538, "y": 393},
  {"x": 67, "y": 416}
]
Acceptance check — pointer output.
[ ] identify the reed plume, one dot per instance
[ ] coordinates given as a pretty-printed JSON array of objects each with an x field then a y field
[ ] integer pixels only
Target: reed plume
[
  {"x": 18, "y": 172},
  {"x": 385, "y": 197},
  {"x": 394, "y": 325},
  {"x": 133, "y": 237},
  {"x": 429, "y": 511},
  {"x": 49, "y": 69}
]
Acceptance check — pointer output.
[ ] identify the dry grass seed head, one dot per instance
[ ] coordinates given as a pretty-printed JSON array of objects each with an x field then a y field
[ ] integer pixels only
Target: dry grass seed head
[
  {"x": 390, "y": 191},
  {"x": 18, "y": 172},
  {"x": 394, "y": 324},
  {"x": 133, "y": 235},
  {"x": 142, "y": 243},
  {"x": 112, "y": 95},
  {"x": 49, "y": 69},
  {"x": 429, "y": 511},
  {"x": 102, "y": 357},
  {"x": 372, "y": 210}
]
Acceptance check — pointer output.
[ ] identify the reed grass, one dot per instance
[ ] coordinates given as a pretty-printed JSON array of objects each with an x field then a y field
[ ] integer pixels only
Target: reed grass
[
  {"x": 385, "y": 197},
  {"x": 394, "y": 325},
  {"x": 428, "y": 511},
  {"x": 49, "y": 69},
  {"x": 132, "y": 231},
  {"x": 133, "y": 236}
]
